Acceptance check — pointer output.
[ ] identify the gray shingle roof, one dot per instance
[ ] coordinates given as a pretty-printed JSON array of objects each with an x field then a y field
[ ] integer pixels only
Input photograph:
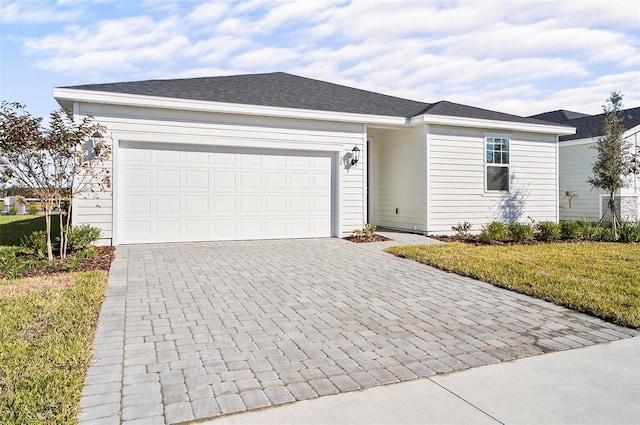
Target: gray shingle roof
[
  {"x": 457, "y": 110},
  {"x": 291, "y": 91},
  {"x": 561, "y": 116},
  {"x": 589, "y": 126}
]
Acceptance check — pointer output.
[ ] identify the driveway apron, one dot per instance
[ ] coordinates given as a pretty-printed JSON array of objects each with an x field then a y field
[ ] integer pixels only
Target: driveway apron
[{"x": 192, "y": 331}]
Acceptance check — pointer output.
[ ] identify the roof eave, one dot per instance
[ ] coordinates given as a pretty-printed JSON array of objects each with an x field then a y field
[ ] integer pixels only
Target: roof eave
[
  {"x": 593, "y": 139},
  {"x": 557, "y": 130},
  {"x": 67, "y": 96}
]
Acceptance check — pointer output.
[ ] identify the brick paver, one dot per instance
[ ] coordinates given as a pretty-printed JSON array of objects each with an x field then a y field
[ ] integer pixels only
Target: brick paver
[{"x": 190, "y": 331}]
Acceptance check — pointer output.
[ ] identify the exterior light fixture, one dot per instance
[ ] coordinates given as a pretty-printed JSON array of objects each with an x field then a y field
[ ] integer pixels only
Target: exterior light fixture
[
  {"x": 95, "y": 139},
  {"x": 355, "y": 155}
]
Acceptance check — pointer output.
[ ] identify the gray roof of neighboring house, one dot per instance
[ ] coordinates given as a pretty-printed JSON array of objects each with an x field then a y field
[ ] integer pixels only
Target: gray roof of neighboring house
[
  {"x": 591, "y": 125},
  {"x": 561, "y": 116},
  {"x": 280, "y": 89}
]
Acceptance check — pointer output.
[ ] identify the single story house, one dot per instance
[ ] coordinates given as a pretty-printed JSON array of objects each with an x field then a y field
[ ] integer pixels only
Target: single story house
[
  {"x": 578, "y": 200},
  {"x": 281, "y": 156}
]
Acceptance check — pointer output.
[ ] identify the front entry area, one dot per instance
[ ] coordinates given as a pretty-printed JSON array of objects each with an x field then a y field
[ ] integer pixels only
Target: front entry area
[{"x": 186, "y": 193}]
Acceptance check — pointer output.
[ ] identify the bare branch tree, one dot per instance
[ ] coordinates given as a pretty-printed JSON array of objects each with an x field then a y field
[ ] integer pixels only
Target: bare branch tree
[{"x": 57, "y": 163}]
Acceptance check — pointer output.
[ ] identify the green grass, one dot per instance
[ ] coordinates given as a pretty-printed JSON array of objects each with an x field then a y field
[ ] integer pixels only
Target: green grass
[
  {"x": 46, "y": 338},
  {"x": 598, "y": 278},
  {"x": 14, "y": 227}
]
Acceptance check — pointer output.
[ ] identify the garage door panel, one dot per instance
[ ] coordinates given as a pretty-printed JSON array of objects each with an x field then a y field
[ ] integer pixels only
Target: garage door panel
[
  {"x": 224, "y": 180},
  {"x": 249, "y": 204},
  {"x": 274, "y": 204},
  {"x": 179, "y": 193},
  {"x": 167, "y": 230},
  {"x": 196, "y": 205},
  {"x": 137, "y": 178},
  {"x": 167, "y": 179},
  {"x": 196, "y": 180},
  {"x": 137, "y": 205}
]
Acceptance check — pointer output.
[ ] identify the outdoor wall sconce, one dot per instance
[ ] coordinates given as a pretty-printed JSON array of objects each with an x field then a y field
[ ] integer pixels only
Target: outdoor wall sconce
[
  {"x": 355, "y": 155},
  {"x": 95, "y": 139}
]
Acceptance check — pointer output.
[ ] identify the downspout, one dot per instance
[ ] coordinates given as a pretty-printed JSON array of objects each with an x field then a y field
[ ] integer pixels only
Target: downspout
[
  {"x": 557, "y": 179},
  {"x": 427, "y": 183}
]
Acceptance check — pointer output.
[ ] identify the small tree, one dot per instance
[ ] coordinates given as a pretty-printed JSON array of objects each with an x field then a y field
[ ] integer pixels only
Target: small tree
[
  {"x": 57, "y": 163},
  {"x": 612, "y": 166}
]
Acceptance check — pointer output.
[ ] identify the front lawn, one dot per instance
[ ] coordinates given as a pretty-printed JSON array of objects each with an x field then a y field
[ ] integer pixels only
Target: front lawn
[
  {"x": 14, "y": 227},
  {"x": 602, "y": 279},
  {"x": 47, "y": 326}
]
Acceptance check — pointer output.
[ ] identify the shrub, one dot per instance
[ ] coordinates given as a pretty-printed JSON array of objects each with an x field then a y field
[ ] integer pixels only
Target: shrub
[
  {"x": 368, "y": 230},
  {"x": 13, "y": 210},
  {"x": 36, "y": 243},
  {"x": 548, "y": 231},
  {"x": 629, "y": 232},
  {"x": 587, "y": 228},
  {"x": 571, "y": 230},
  {"x": 520, "y": 232},
  {"x": 462, "y": 229},
  {"x": 602, "y": 233},
  {"x": 80, "y": 237},
  {"x": 32, "y": 209},
  {"x": 492, "y": 232}
]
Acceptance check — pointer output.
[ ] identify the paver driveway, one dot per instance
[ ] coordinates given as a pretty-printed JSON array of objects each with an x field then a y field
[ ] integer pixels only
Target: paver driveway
[{"x": 191, "y": 331}]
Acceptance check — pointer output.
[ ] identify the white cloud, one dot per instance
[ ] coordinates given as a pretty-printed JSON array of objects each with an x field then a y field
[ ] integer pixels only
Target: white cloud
[
  {"x": 30, "y": 12},
  {"x": 208, "y": 12},
  {"x": 514, "y": 56}
]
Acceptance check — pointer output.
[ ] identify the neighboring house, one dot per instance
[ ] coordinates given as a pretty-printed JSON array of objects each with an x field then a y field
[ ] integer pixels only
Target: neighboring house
[
  {"x": 270, "y": 156},
  {"x": 578, "y": 200}
]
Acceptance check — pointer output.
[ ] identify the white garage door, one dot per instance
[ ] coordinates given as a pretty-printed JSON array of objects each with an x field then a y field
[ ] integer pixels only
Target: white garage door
[{"x": 177, "y": 193}]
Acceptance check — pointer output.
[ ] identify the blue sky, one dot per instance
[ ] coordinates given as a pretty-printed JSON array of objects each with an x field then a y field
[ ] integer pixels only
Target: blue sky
[{"x": 512, "y": 56}]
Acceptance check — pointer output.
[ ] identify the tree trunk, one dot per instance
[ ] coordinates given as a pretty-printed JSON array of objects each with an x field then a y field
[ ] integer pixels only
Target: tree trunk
[
  {"x": 47, "y": 220},
  {"x": 66, "y": 229},
  {"x": 614, "y": 215}
]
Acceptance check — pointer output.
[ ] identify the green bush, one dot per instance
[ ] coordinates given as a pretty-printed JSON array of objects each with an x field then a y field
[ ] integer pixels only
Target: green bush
[
  {"x": 493, "y": 232},
  {"x": 629, "y": 232},
  {"x": 602, "y": 233},
  {"x": 462, "y": 229},
  {"x": 36, "y": 243},
  {"x": 520, "y": 232},
  {"x": 32, "y": 209},
  {"x": 368, "y": 230},
  {"x": 571, "y": 229},
  {"x": 548, "y": 231},
  {"x": 13, "y": 210},
  {"x": 587, "y": 228},
  {"x": 80, "y": 237}
]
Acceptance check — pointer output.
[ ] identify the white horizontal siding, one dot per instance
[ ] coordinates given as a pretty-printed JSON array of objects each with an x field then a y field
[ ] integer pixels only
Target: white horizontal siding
[
  {"x": 199, "y": 128},
  {"x": 456, "y": 174},
  {"x": 398, "y": 178},
  {"x": 576, "y": 163}
]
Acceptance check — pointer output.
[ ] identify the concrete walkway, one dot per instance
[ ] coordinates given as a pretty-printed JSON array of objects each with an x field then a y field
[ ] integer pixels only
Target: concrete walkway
[
  {"x": 194, "y": 331},
  {"x": 593, "y": 385}
]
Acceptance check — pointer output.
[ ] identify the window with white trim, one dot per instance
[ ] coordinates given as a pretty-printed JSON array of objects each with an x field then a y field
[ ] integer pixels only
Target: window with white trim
[{"x": 497, "y": 163}]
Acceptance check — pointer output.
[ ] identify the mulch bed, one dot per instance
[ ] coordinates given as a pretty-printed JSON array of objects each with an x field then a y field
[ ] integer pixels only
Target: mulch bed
[
  {"x": 365, "y": 239},
  {"x": 102, "y": 261}
]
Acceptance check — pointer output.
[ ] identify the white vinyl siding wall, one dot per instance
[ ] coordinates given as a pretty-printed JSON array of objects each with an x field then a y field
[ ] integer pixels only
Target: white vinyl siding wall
[
  {"x": 576, "y": 164},
  {"x": 149, "y": 125},
  {"x": 456, "y": 174},
  {"x": 397, "y": 178}
]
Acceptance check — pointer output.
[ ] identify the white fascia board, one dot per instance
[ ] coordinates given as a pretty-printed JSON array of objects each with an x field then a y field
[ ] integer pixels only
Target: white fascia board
[
  {"x": 578, "y": 142},
  {"x": 64, "y": 95},
  {"x": 492, "y": 124}
]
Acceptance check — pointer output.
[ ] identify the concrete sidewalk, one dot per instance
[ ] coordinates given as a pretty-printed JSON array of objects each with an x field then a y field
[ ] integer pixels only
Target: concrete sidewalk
[{"x": 593, "y": 385}]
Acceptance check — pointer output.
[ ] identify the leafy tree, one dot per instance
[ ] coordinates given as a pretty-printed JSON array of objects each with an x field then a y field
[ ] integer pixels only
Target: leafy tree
[
  {"x": 57, "y": 163},
  {"x": 612, "y": 167}
]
